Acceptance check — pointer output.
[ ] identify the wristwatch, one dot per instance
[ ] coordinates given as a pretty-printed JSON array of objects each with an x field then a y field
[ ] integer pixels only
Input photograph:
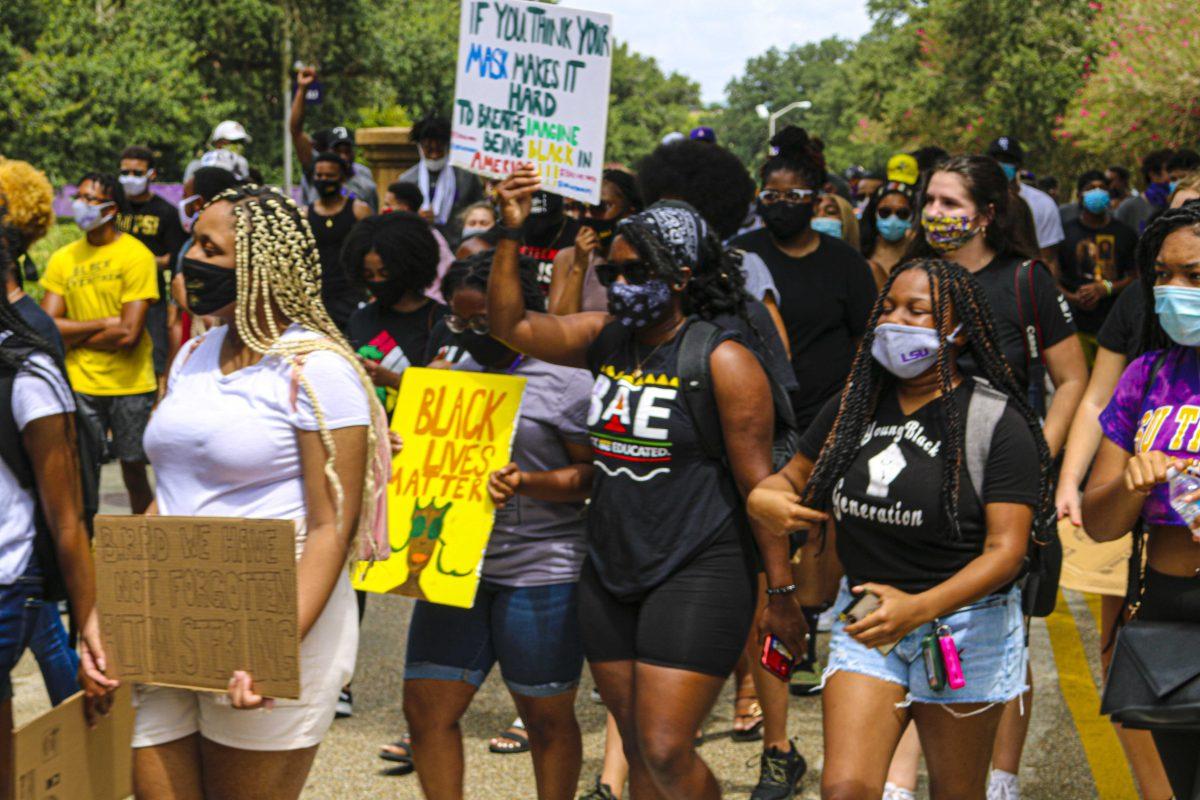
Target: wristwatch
[{"x": 513, "y": 234}]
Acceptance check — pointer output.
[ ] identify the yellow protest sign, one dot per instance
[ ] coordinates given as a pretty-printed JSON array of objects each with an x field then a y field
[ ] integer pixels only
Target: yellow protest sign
[{"x": 457, "y": 429}]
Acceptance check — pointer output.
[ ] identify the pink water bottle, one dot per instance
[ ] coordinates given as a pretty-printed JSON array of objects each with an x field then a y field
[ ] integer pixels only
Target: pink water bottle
[{"x": 954, "y": 673}]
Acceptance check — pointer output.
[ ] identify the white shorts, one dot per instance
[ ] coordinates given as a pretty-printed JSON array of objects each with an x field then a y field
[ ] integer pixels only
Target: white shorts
[{"x": 327, "y": 654}]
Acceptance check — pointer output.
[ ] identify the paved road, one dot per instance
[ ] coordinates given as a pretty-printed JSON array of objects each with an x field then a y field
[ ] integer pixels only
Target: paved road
[{"x": 1057, "y": 766}]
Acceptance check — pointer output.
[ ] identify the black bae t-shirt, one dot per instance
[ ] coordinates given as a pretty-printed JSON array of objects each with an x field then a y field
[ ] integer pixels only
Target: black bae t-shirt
[
  {"x": 1122, "y": 329},
  {"x": 1047, "y": 309},
  {"x": 1090, "y": 254},
  {"x": 825, "y": 299},
  {"x": 888, "y": 506},
  {"x": 657, "y": 499}
]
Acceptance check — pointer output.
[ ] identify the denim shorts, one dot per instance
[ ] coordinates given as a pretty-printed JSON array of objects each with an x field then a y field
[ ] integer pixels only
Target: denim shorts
[
  {"x": 533, "y": 631},
  {"x": 20, "y": 608},
  {"x": 989, "y": 634}
]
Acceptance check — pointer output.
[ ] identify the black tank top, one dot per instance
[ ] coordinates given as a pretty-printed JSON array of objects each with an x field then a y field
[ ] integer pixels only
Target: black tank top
[
  {"x": 340, "y": 295},
  {"x": 657, "y": 499}
]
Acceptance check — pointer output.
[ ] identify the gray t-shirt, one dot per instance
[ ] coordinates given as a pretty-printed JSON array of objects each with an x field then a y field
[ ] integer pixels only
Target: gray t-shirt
[
  {"x": 536, "y": 542},
  {"x": 759, "y": 282}
]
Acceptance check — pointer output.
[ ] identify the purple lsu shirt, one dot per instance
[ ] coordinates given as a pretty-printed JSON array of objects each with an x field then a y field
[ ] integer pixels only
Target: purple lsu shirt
[{"x": 1168, "y": 419}]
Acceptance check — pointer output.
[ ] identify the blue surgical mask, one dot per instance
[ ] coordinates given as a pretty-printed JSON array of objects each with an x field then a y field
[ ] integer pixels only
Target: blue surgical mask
[
  {"x": 1178, "y": 309},
  {"x": 906, "y": 350},
  {"x": 87, "y": 216},
  {"x": 1010, "y": 171},
  {"x": 828, "y": 226},
  {"x": 892, "y": 228},
  {"x": 1096, "y": 200},
  {"x": 1172, "y": 186}
]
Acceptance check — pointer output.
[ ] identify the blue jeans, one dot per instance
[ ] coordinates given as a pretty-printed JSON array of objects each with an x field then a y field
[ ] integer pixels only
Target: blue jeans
[
  {"x": 533, "y": 631},
  {"x": 20, "y": 605},
  {"x": 58, "y": 661},
  {"x": 989, "y": 634}
]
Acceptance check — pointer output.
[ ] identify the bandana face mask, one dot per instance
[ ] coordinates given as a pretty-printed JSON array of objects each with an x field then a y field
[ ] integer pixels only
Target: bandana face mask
[
  {"x": 639, "y": 305},
  {"x": 948, "y": 232}
]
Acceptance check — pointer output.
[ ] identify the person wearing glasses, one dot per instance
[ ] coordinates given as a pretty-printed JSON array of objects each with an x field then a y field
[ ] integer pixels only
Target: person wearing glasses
[
  {"x": 98, "y": 290},
  {"x": 825, "y": 287},
  {"x": 887, "y": 226},
  {"x": 526, "y": 614}
]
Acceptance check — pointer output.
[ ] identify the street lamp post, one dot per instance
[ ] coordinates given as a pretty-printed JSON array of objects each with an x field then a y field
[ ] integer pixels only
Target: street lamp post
[{"x": 770, "y": 116}]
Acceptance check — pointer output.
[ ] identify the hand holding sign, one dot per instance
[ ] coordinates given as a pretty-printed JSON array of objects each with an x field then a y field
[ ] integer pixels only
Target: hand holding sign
[
  {"x": 504, "y": 483},
  {"x": 516, "y": 195}
]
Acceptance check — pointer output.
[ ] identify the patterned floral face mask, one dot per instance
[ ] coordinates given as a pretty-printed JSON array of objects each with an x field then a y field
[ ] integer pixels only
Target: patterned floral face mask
[
  {"x": 948, "y": 232},
  {"x": 639, "y": 305}
]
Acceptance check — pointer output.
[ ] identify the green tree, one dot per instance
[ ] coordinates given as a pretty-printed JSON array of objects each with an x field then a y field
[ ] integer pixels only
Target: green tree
[
  {"x": 815, "y": 72},
  {"x": 645, "y": 105},
  {"x": 1142, "y": 91},
  {"x": 95, "y": 78}
]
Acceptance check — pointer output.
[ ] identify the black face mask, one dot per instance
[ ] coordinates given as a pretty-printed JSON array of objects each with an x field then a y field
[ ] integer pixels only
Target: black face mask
[
  {"x": 785, "y": 220},
  {"x": 209, "y": 288},
  {"x": 485, "y": 350},
  {"x": 386, "y": 292},
  {"x": 327, "y": 188},
  {"x": 604, "y": 228}
]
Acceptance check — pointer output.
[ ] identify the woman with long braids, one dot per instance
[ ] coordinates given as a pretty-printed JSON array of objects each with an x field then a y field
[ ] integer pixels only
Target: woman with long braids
[
  {"x": 268, "y": 416},
  {"x": 970, "y": 216},
  {"x": 932, "y": 542},
  {"x": 42, "y": 527},
  {"x": 667, "y": 593},
  {"x": 1148, "y": 428}
]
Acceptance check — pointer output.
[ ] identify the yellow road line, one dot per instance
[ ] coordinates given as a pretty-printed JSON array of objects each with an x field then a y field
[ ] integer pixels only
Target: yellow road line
[{"x": 1104, "y": 754}]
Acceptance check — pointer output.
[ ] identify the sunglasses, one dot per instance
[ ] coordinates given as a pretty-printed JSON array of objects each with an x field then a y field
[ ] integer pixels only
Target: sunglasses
[
  {"x": 136, "y": 172},
  {"x": 901, "y": 213},
  {"x": 477, "y": 325},
  {"x": 635, "y": 272},
  {"x": 793, "y": 196},
  {"x": 597, "y": 210}
]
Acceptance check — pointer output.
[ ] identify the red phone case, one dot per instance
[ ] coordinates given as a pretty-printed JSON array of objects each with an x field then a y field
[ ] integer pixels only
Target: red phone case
[{"x": 776, "y": 659}]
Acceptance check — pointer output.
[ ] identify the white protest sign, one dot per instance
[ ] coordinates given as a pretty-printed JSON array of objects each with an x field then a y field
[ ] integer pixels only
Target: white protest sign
[{"x": 532, "y": 86}]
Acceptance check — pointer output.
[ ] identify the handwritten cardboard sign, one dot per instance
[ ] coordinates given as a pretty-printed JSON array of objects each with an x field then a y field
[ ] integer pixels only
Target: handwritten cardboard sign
[
  {"x": 457, "y": 429},
  {"x": 58, "y": 757},
  {"x": 185, "y": 601},
  {"x": 532, "y": 85}
]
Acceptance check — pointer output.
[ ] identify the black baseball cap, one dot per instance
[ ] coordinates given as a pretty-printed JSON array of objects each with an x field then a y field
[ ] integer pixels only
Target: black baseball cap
[{"x": 1006, "y": 149}]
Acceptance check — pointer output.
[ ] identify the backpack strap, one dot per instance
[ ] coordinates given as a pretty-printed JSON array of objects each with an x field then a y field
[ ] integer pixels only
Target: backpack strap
[
  {"x": 12, "y": 449},
  {"x": 984, "y": 411},
  {"x": 695, "y": 377}
]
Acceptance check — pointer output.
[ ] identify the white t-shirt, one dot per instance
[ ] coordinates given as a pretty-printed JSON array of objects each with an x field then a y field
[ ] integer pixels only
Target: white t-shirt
[
  {"x": 39, "y": 390},
  {"x": 225, "y": 445},
  {"x": 1045, "y": 216}
]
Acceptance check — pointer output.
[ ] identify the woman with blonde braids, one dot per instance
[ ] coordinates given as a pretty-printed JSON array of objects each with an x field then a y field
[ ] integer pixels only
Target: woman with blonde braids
[{"x": 269, "y": 416}]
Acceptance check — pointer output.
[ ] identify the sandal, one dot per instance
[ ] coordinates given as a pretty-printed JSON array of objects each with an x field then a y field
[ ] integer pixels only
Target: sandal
[
  {"x": 398, "y": 752},
  {"x": 746, "y": 708},
  {"x": 513, "y": 740}
]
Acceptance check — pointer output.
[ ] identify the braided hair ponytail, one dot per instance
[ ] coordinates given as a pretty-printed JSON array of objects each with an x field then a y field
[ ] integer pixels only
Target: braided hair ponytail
[
  {"x": 278, "y": 269},
  {"x": 1148, "y": 248},
  {"x": 954, "y": 291}
]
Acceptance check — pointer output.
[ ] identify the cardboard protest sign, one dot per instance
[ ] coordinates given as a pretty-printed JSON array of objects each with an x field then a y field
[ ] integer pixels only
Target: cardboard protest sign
[
  {"x": 457, "y": 429},
  {"x": 185, "y": 601},
  {"x": 58, "y": 757},
  {"x": 532, "y": 85}
]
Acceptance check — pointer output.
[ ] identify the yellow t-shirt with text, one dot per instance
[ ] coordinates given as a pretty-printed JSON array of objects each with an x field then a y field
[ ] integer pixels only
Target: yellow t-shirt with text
[{"x": 95, "y": 282}]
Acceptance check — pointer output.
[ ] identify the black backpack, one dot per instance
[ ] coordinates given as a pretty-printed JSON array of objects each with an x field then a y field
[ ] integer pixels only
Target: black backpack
[
  {"x": 699, "y": 339},
  {"x": 12, "y": 449}
]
